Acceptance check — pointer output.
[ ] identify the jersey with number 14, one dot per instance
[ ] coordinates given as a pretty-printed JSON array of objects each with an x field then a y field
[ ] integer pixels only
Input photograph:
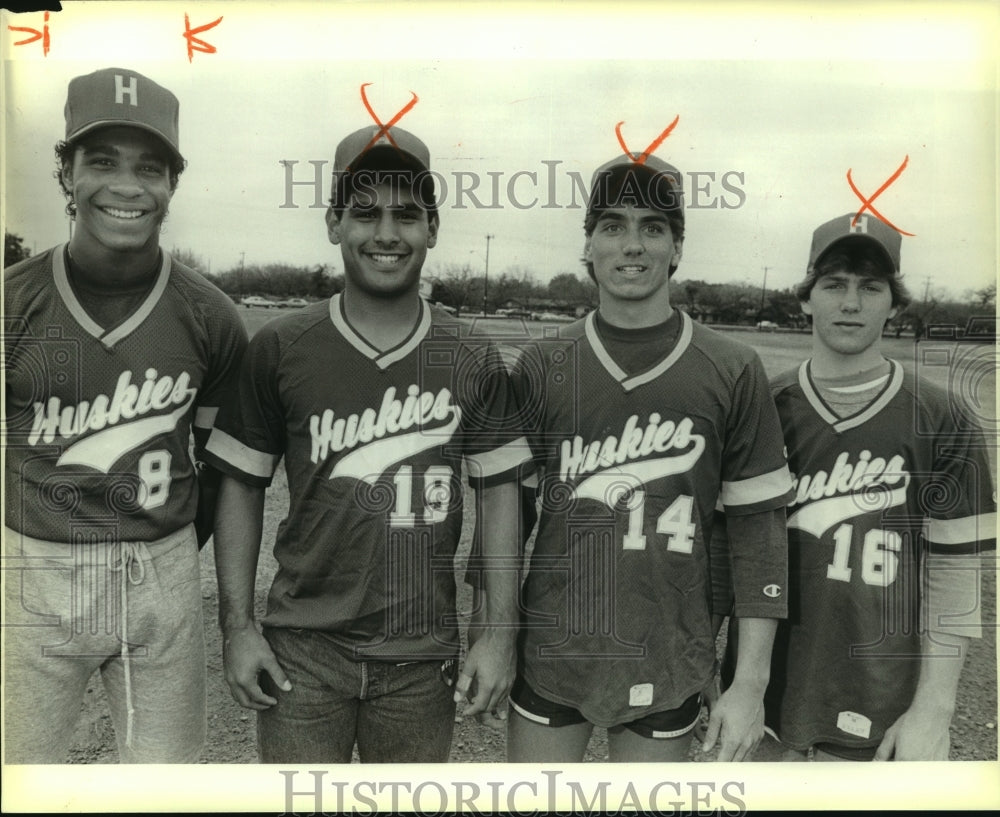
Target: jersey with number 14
[
  {"x": 875, "y": 493},
  {"x": 617, "y": 599},
  {"x": 98, "y": 420}
]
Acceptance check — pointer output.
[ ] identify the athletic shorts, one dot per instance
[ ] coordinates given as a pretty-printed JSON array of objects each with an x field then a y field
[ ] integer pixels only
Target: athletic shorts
[{"x": 672, "y": 723}]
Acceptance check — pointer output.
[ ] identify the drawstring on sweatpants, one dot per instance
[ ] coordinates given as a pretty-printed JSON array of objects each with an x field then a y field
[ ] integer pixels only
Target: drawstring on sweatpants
[{"x": 126, "y": 558}]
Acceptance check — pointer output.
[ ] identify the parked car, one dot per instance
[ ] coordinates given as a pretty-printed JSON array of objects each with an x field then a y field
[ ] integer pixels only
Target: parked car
[
  {"x": 766, "y": 326},
  {"x": 295, "y": 302},
  {"x": 257, "y": 300}
]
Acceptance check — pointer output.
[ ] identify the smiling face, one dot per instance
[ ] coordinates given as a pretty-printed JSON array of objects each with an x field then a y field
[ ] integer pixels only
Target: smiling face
[
  {"x": 384, "y": 235},
  {"x": 632, "y": 250},
  {"x": 849, "y": 312},
  {"x": 119, "y": 179}
]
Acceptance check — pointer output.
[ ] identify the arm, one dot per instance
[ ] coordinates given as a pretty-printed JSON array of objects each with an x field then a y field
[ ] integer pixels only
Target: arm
[
  {"x": 921, "y": 732},
  {"x": 237, "y": 549},
  {"x": 489, "y": 667},
  {"x": 756, "y": 560},
  {"x": 737, "y": 719},
  {"x": 950, "y": 615}
]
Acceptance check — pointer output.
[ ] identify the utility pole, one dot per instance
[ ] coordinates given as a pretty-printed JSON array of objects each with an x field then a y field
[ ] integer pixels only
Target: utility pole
[
  {"x": 486, "y": 276},
  {"x": 763, "y": 288}
]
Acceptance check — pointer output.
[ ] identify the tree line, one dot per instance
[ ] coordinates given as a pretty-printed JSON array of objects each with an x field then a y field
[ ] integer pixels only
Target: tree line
[{"x": 517, "y": 291}]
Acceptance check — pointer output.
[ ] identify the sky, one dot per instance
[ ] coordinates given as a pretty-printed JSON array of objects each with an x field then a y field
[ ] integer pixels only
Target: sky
[
  {"x": 774, "y": 103},
  {"x": 779, "y": 99}
]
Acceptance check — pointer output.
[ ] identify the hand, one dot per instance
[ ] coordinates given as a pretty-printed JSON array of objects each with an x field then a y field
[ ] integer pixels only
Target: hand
[
  {"x": 917, "y": 735},
  {"x": 487, "y": 676},
  {"x": 245, "y": 654},
  {"x": 738, "y": 719}
]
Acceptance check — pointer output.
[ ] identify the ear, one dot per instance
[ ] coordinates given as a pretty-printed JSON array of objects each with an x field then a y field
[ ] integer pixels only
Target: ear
[
  {"x": 66, "y": 174},
  {"x": 806, "y": 307},
  {"x": 586, "y": 251},
  {"x": 678, "y": 250},
  {"x": 332, "y": 226},
  {"x": 432, "y": 232},
  {"x": 892, "y": 313}
]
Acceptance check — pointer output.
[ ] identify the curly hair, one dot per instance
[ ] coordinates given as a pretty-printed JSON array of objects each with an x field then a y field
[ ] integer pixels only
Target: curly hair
[{"x": 64, "y": 161}]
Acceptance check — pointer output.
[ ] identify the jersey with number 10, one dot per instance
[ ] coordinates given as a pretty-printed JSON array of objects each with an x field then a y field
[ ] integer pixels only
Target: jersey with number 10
[
  {"x": 374, "y": 444},
  {"x": 617, "y": 599},
  {"x": 98, "y": 421},
  {"x": 875, "y": 493}
]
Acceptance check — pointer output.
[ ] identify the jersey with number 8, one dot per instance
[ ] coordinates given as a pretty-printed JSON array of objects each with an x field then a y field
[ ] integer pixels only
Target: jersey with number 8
[{"x": 99, "y": 421}]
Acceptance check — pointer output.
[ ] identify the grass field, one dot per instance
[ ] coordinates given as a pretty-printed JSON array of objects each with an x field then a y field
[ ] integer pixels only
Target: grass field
[{"x": 968, "y": 369}]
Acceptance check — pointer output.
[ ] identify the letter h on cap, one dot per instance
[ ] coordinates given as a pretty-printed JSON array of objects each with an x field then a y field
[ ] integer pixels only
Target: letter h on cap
[
  {"x": 860, "y": 227},
  {"x": 122, "y": 90}
]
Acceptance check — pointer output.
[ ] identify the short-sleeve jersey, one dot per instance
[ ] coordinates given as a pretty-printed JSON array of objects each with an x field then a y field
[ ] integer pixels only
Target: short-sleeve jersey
[
  {"x": 616, "y": 605},
  {"x": 374, "y": 444},
  {"x": 874, "y": 493},
  {"x": 98, "y": 421}
]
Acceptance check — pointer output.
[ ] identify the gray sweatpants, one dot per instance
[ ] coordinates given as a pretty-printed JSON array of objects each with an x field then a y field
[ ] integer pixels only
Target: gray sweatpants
[{"x": 68, "y": 609}]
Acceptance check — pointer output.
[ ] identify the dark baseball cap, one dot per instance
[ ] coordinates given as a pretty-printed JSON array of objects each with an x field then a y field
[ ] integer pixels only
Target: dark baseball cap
[
  {"x": 656, "y": 182},
  {"x": 362, "y": 146},
  {"x": 854, "y": 228},
  {"x": 120, "y": 96}
]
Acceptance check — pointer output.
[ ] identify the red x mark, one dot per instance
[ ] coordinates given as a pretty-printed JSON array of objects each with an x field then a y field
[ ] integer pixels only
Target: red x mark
[
  {"x": 866, "y": 204},
  {"x": 196, "y": 43},
  {"x": 384, "y": 129},
  {"x": 36, "y": 35},
  {"x": 641, "y": 160}
]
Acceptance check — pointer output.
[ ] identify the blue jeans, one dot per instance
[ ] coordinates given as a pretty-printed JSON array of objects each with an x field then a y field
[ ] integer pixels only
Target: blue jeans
[{"x": 395, "y": 713}]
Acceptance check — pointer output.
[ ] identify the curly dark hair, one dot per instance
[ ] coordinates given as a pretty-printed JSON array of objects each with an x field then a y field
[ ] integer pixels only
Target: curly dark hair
[{"x": 64, "y": 160}]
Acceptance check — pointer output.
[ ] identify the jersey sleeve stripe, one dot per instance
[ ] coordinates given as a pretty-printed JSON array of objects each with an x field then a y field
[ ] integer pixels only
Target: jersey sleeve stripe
[
  {"x": 242, "y": 457},
  {"x": 204, "y": 416},
  {"x": 489, "y": 464},
  {"x": 761, "y": 488},
  {"x": 967, "y": 530}
]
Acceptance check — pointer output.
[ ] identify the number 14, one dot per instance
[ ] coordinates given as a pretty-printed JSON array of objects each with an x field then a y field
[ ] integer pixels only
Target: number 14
[{"x": 676, "y": 522}]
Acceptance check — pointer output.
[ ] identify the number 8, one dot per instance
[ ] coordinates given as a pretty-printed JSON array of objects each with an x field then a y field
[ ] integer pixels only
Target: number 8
[{"x": 154, "y": 473}]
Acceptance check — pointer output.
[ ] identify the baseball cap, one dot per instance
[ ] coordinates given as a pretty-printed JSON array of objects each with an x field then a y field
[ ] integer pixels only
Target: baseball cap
[
  {"x": 120, "y": 96},
  {"x": 843, "y": 229},
  {"x": 359, "y": 148},
  {"x": 658, "y": 182}
]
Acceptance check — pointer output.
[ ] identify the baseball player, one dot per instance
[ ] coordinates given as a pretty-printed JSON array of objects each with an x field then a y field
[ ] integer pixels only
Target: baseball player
[
  {"x": 893, "y": 503},
  {"x": 376, "y": 401},
  {"x": 115, "y": 353},
  {"x": 640, "y": 421}
]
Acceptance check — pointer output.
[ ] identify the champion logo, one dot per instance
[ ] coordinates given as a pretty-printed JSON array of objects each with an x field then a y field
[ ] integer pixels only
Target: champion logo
[{"x": 772, "y": 591}]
